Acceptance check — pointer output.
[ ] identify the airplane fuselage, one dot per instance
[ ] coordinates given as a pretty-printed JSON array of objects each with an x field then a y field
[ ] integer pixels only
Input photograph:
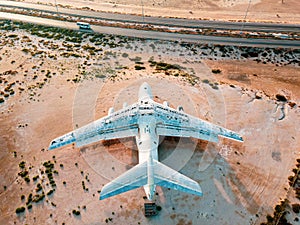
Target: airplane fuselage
[{"x": 147, "y": 139}]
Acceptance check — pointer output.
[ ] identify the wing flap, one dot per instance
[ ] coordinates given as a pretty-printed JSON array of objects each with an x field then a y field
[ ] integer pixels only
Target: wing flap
[
  {"x": 176, "y": 123},
  {"x": 132, "y": 179},
  {"x": 166, "y": 177},
  {"x": 95, "y": 135},
  {"x": 169, "y": 130}
]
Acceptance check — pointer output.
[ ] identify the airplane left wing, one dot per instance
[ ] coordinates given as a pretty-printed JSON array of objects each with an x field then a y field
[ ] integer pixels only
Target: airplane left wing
[
  {"x": 120, "y": 124},
  {"x": 172, "y": 122}
]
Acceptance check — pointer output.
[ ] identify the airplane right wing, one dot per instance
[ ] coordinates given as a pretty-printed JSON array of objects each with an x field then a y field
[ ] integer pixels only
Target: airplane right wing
[
  {"x": 172, "y": 122},
  {"x": 120, "y": 124},
  {"x": 166, "y": 177}
]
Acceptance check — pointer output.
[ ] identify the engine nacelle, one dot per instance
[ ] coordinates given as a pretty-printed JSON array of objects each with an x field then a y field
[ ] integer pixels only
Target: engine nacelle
[
  {"x": 166, "y": 103},
  {"x": 180, "y": 108},
  {"x": 125, "y": 105},
  {"x": 111, "y": 110}
]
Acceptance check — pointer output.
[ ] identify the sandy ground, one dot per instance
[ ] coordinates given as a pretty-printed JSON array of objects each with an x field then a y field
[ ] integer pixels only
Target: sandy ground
[
  {"x": 282, "y": 11},
  {"x": 241, "y": 182}
]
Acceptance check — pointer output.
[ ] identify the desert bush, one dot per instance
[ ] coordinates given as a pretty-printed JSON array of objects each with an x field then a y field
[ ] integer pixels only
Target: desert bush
[
  {"x": 296, "y": 208},
  {"x": 216, "y": 71},
  {"x": 75, "y": 212},
  {"x": 138, "y": 67},
  {"x": 38, "y": 187},
  {"x": 50, "y": 192},
  {"x": 38, "y": 198},
  {"x": 27, "y": 179},
  {"x": 20, "y": 210},
  {"x": 23, "y": 173},
  {"x": 35, "y": 177},
  {"x": 22, "y": 164},
  {"x": 136, "y": 59}
]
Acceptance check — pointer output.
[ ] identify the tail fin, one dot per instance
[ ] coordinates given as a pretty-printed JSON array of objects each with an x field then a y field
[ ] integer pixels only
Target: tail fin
[
  {"x": 132, "y": 179},
  {"x": 166, "y": 177}
]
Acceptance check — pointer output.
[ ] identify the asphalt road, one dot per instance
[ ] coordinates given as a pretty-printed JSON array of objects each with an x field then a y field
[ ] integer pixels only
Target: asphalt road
[
  {"x": 159, "y": 35},
  {"x": 220, "y": 25}
]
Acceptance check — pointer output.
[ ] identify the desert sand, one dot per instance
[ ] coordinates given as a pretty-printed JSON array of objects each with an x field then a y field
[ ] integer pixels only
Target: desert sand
[
  {"x": 280, "y": 11},
  {"x": 59, "y": 85}
]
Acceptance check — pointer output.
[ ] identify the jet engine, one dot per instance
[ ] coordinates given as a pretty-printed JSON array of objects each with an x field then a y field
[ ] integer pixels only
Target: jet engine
[{"x": 180, "y": 108}]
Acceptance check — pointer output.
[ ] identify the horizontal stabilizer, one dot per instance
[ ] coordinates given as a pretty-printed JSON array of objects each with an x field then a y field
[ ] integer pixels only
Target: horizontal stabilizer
[
  {"x": 166, "y": 177},
  {"x": 132, "y": 179}
]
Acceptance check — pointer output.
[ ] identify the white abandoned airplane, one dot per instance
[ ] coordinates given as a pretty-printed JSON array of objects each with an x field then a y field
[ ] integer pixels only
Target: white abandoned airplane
[{"x": 146, "y": 120}]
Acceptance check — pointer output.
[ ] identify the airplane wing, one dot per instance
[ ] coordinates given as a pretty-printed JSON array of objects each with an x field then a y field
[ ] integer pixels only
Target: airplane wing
[
  {"x": 120, "y": 124},
  {"x": 172, "y": 122},
  {"x": 131, "y": 179},
  {"x": 166, "y": 177}
]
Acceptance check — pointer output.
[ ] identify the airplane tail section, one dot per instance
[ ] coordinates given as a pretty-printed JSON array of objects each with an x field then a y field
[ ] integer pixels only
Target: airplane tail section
[
  {"x": 166, "y": 177},
  {"x": 138, "y": 176},
  {"x": 132, "y": 179}
]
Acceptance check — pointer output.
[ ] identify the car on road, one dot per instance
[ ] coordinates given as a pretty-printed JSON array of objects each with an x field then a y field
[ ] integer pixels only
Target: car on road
[{"x": 83, "y": 25}]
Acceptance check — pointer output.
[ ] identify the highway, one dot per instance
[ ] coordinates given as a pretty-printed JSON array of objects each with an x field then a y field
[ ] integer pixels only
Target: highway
[
  {"x": 159, "y": 35},
  {"x": 173, "y": 22}
]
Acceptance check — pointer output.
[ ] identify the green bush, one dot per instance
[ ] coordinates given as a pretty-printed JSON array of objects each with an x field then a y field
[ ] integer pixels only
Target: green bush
[
  {"x": 20, "y": 209},
  {"x": 137, "y": 67},
  {"x": 27, "y": 179},
  {"x": 38, "y": 198},
  {"x": 22, "y": 165},
  {"x": 75, "y": 212},
  {"x": 136, "y": 59},
  {"x": 216, "y": 71},
  {"x": 50, "y": 192}
]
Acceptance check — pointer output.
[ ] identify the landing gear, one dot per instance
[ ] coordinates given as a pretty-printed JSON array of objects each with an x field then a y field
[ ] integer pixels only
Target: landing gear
[{"x": 150, "y": 209}]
